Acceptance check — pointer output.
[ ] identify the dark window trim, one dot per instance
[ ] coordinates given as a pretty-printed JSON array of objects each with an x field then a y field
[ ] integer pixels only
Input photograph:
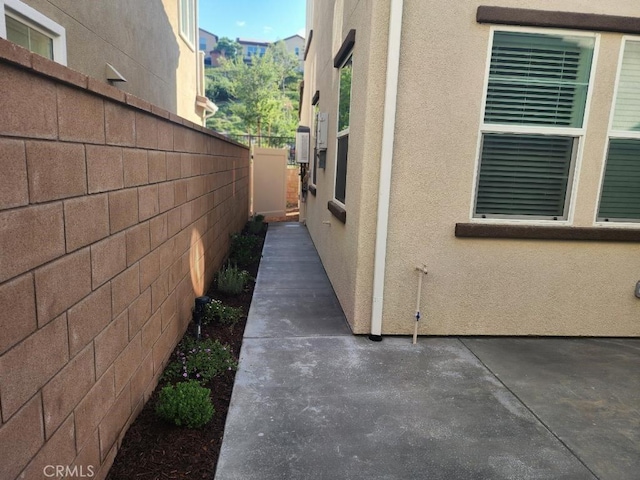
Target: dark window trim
[
  {"x": 316, "y": 98},
  {"x": 345, "y": 49},
  {"x": 301, "y": 99},
  {"x": 306, "y": 48},
  {"x": 537, "y": 232},
  {"x": 312, "y": 189},
  {"x": 547, "y": 18},
  {"x": 337, "y": 211}
]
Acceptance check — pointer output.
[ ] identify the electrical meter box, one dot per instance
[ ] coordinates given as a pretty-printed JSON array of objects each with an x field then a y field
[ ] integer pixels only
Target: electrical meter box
[
  {"x": 303, "y": 141},
  {"x": 321, "y": 131}
]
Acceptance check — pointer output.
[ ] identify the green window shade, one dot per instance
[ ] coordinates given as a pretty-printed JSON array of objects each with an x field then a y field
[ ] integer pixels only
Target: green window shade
[
  {"x": 341, "y": 168},
  {"x": 620, "y": 199},
  {"x": 524, "y": 175},
  {"x": 538, "y": 79},
  {"x": 627, "y": 112}
]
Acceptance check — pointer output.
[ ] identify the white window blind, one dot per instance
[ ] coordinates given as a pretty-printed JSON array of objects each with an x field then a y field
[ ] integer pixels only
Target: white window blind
[
  {"x": 620, "y": 196},
  {"x": 627, "y": 110}
]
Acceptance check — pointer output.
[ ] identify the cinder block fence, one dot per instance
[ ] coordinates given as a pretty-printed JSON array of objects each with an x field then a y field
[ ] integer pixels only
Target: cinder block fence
[{"x": 114, "y": 215}]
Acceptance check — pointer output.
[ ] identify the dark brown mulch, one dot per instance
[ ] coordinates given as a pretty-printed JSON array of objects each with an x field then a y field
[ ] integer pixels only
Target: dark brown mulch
[{"x": 153, "y": 449}]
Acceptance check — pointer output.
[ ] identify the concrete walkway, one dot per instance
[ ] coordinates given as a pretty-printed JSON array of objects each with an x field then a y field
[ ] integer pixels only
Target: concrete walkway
[{"x": 312, "y": 401}]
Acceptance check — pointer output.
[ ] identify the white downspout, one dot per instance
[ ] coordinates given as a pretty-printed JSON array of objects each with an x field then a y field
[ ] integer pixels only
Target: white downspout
[{"x": 386, "y": 161}]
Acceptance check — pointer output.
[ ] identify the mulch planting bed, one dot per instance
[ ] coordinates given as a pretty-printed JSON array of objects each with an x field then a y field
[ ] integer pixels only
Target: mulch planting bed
[{"x": 154, "y": 449}]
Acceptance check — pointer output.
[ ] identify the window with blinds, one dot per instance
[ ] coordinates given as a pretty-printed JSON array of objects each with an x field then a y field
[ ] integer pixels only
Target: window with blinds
[
  {"x": 620, "y": 195},
  {"x": 524, "y": 174},
  {"x": 533, "y": 119},
  {"x": 344, "y": 111}
]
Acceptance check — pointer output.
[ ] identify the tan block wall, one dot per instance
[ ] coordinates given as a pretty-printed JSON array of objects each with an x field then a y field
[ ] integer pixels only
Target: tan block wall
[{"x": 105, "y": 203}]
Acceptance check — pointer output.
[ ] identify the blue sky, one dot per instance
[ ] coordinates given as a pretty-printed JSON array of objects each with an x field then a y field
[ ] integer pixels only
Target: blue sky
[{"x": 267, "y": 20}]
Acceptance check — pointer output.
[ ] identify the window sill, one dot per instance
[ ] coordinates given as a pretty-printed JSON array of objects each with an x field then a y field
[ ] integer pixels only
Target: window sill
[
  {"x": 537, "y": 232},
  {"x": 312, "y": 189},
  {"x": 337, "y": 211},
  {"x": 188, "y": 42}
]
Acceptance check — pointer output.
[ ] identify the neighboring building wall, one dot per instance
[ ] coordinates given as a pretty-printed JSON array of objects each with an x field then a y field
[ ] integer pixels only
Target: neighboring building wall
[
  {"x": 140, "y": 39},
  {"x": 207, "y": 41},
  {"x": 114, "y": 215},
  {"x": 474, "y": 286}
]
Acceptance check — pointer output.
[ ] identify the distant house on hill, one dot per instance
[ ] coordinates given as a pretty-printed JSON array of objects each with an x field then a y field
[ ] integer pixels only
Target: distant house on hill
[
  {"x": 295, "y": 45},
  {"x": 207, "y": 42},
  {"x": 251, "y": 48}
]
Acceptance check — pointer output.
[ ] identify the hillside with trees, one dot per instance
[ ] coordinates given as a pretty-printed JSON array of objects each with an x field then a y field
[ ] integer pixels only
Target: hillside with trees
[{"x": 256, "y": 98}]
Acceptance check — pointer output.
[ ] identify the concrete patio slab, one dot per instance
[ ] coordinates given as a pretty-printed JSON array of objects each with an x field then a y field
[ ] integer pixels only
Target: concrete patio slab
[
  {"x": 312, "y": 401},
  {"x": 586, "y": 391},
  {"x": 346, "y": 408}
]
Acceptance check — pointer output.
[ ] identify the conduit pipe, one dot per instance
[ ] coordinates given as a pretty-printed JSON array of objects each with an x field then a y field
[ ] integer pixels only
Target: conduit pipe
[
  {"x": 386, "y": 161},
  {"x": 422, "y": 272}
]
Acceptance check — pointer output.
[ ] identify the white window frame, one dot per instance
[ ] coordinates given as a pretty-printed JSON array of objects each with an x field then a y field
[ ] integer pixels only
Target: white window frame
[
  {"x": 190, "y": 36},
  {"x": 615, "y": 134},
  {"x": 37, "y": 21},
  {"x": 578, "y": 133},
  {"x": 344, "y": 132}
]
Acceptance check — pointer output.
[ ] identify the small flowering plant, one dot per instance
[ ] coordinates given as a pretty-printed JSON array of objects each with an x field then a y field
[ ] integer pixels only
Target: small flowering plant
[
  {"x": 216, "y": 311},
  {"x": 199, "y": 360}
]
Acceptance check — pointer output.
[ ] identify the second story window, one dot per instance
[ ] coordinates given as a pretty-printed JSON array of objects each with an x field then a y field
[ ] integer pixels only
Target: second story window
[
  {"x": 188, "y": 22},
  {"x": 28, "y": 28}
]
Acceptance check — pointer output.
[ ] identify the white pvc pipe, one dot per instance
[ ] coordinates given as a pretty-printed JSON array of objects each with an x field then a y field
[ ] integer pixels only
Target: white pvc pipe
[
  {"x": 386, "y": 161},
  {"x": 422, "y": 271}
]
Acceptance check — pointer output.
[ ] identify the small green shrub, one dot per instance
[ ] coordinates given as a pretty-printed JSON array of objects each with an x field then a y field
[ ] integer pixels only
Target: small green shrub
[
  {"x": 232, "y": 280},
  {"x": 244, "y": 250},
  {"x": 256, "y": 224},
  {"x": 199, "y": 360},
  {"x": 216, "y": 311},
  {"x": 185, "y": 404}
]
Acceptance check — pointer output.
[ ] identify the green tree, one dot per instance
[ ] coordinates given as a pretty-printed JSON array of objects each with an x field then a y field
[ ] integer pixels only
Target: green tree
[
  {"x": 286, "y": 62},
  {"x": 229, "y": 48},
  {"x": 218, "y": 86},
  {"x": 259, "y": 98}
]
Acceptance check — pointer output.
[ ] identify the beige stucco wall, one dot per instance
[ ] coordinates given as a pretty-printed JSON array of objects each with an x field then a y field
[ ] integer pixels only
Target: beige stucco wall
[
  {"x": 489, "y": 286},
  {"x": 347, "y": 249},
  {"x": 140, "y": 39}
]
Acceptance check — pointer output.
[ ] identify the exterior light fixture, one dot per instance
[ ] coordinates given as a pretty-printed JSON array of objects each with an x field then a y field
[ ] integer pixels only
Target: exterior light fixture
[{"x": 198, "y": 313}]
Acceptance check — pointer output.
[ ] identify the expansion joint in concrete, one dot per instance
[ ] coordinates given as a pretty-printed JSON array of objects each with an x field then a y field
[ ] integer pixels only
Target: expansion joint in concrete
[{"x": 524, "y": 405}]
